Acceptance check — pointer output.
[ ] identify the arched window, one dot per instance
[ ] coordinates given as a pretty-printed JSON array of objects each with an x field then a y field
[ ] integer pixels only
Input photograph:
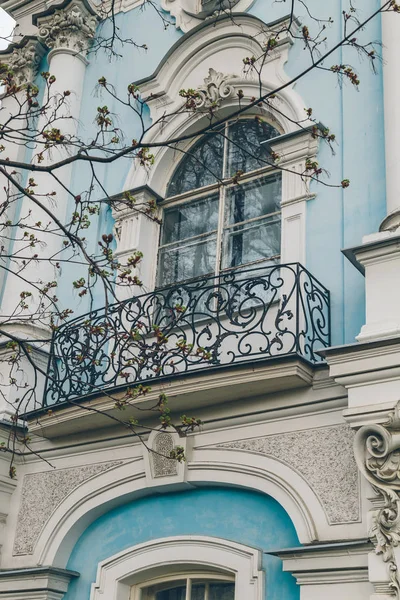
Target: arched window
[
  {"x": 192, "y": 586},
  {"x": 209, "y": 228}
]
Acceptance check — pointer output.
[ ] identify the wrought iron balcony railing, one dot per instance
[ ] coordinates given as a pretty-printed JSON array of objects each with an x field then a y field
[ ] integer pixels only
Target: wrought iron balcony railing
[{"x": 237, "y": 317}]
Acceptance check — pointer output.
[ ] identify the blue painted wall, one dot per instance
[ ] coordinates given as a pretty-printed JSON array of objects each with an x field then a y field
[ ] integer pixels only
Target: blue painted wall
[
  {"x": 336, "y": 218},
  {"x": 239, "y": 515}
]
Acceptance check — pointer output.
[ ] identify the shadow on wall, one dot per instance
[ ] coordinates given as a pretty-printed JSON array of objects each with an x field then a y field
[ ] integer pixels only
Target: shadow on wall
[{"x": 238, "y": 515}]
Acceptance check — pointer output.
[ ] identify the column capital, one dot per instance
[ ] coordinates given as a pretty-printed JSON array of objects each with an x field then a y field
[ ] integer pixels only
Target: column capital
[
  {"x": 70, "y": 26},
  {"x": 377, "y": 452},
  {"x": 23, "y": 58}
]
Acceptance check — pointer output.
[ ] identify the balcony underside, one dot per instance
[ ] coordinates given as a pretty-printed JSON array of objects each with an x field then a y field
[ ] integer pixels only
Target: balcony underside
[{"x": 191, "y": 393}]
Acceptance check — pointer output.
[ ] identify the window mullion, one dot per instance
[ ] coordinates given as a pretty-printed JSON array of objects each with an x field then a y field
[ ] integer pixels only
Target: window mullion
[
  {"x": 221, "y": 219},
  {"x": 188, "y": 589},
  {"x": 207, "y": 591},
  {"x": 221, "y": 214}
]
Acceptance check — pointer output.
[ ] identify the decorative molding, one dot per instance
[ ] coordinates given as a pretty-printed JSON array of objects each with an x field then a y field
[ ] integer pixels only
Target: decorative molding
[
  {"x": 161, "y": 470},
  {"x": 189, "y": 13},
  {"x": 24, "y": 59},
  {"x": 116, "y": 574},
  {"x": 377, "y": 452},
  {"x": 69, "y": 26},
  {"x": 163, "y": 466},
  {"x": 35, "y": 583},
  {"x": 324, "y": 458},
  {"x": 216, "y": 88},
  {"x": 42, "y": 493}
]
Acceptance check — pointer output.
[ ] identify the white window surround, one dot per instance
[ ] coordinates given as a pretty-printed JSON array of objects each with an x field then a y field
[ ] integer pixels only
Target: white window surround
[
  {"x": 222, "y": 46},
  {"x": 137, "y": 232},
  {"x": 117, "y": 574}
]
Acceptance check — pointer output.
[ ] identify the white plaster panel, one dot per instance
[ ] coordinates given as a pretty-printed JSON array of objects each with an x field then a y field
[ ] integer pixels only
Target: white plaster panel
[
  {"x": 42, "y": 493},
  {"x": 324, "y": 457}
]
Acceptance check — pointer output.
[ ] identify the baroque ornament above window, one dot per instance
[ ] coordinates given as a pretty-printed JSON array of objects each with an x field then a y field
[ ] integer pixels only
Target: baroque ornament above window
[
  {"x": 189, "y": 13},
  {"x": 215, "y": 89}
]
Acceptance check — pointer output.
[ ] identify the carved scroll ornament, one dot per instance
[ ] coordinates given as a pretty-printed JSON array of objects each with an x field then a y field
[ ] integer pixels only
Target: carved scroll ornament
[
  {"x": 215, "y": 89},
  {"x": 72, "y": 27},
  {"x": 24, "y": 59},
  {"x": 377, "y": 452}
]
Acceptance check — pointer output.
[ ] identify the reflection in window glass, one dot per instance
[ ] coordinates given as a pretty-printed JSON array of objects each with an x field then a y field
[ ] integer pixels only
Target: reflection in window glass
[
  {"x": 222, "y": 591},
  {"x": 234, "y": 226},
  {"x": 201, "y": 166},
  {"x": 198, "y": 591},
  {"x": 187, "y": 261},
  {"x": 176, "y": 593},
  {"x": 256, "y": 199},
  {"x": 249, "y": 234},
  {"x": 251, "y": 242},
  {"x": 188, "y": 220},
  {"x": 245, "y": 153}
]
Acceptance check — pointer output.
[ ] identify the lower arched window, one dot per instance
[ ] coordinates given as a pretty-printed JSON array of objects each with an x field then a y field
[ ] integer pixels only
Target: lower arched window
[{"x": 192, "y": 586}]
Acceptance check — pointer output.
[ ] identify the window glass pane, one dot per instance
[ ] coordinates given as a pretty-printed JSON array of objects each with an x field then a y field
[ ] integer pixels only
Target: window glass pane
[
  {"x": 254, "y": 199},
  {"x": 222, "y": 591},
  {"x": 198, "y": 591},
  {"x": 176, "y": 593},
  {"x": 190, "y": 219},
  {"x": 200, "y": 166},
  {"x": 244, "y": 150},
  {"x": 181, "y": 262},
  {"x": 252, "y": 241}
]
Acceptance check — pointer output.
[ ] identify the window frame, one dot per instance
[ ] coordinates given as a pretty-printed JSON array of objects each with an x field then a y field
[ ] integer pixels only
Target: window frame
[
  {"x": 188, "y": 576},
  {"x": 221, "y": 188}
]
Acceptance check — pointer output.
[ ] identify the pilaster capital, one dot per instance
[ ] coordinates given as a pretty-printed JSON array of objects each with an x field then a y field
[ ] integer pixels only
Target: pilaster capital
[
  {"x": 24, "y": 59},
  {"x": 70, "y": 26},
  {"x": 377, "y": 452}
]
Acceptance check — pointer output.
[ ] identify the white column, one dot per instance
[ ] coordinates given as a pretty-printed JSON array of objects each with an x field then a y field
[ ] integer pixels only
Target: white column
[
  {"x": 379, "y": 254},
  {"x": 68, "y": 33},
  {"x": 24, "y": 60},
  {"x": 391, "y": 95}
]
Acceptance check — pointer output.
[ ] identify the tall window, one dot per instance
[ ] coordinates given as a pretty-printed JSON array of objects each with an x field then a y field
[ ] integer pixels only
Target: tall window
[
  {"x": 196, "y": 587},
  {"x": 209, "y": 228}
]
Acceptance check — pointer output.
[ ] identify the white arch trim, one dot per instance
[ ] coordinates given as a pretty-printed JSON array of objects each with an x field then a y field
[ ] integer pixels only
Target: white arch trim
[
  {"x": 117, "y": 574},
  {"x": 212, "y": 466},
  {"x": 220, "y": 45}
]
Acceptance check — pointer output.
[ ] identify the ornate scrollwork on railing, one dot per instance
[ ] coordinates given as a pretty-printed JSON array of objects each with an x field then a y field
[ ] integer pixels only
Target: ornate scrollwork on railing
[
  {"x": 377, "y": 451},
  {"x": 210, "y": 322}
]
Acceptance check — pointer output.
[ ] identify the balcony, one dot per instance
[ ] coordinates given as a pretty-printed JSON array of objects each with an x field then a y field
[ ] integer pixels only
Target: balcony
[{"x": 239, "y": 318}]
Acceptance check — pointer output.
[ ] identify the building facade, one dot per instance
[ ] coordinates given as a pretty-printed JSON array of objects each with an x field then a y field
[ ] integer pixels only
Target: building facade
[{"x": 288, "y": 292}]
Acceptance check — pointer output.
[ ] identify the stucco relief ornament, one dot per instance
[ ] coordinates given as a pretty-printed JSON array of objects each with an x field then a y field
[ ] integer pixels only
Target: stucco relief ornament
[
  {"x": 215, "y": 89},
  {"x": 72, "y": 27},
  {"x": 189, "y": 13},
  {"x": 24, "y": 60},
  {"x": 377, "y": 451}
]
